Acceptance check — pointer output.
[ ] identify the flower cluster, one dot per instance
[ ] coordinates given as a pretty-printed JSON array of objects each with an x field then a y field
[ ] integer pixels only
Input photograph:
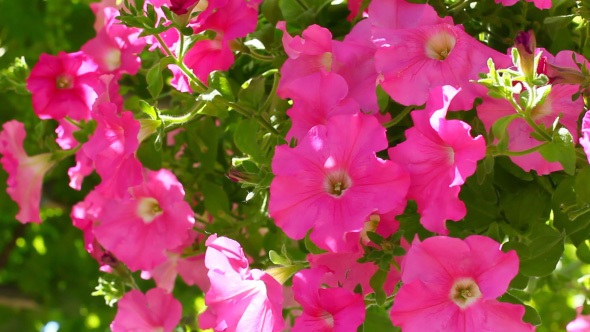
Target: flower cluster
[{"x": 352, "y": 174}]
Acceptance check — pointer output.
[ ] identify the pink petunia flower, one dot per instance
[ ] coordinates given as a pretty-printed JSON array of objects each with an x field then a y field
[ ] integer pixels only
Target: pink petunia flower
[
  {"x": 585, "y": 139},
  {"x": 559, "y": 101},
  {"x": 452, "y": 285},
  {"x": 325, "y": 309},
  {"x": 332, "y": 181},
  {"x": 580, "y": 324},
  {"x": 112, "y": 147},
  {"x": 239, "y": 299},
  {"x": 430, "y": 56},
  {"x": 386, "y": 15},
  {"x": 64, "y": 85},
  {"x": 140, "y": 228},
  {"x": 323, "y": 96},
  {"x": 156, "y": 311},
  {"x": 439, "y": 154},
  {"x": 25, "y": 174},
  {"x": 115, "y": 47}
]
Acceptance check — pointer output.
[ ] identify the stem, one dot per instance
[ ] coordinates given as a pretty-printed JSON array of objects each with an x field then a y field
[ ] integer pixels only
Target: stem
[
  {"x": 399, "y": 117},
  {"x": 524, "y": 152},
  {"x": 259, "y": 56},
  {"x": 170, "y": 121},
  {"x": 74, "y": 122},
  {"x": 63, "y": 154},
  {"x": 181, "y": 65},
  {"x": 538, "y": 129},
  {"x": 250, "y": 114},
  {"x": 321, "y": 7},
  {"x": 273, "y": 90}
]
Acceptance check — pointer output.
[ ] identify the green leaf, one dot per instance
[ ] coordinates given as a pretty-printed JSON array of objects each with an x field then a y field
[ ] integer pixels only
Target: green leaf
[
  {"x": 311, "y": 247},
  {"x": 149, "y": 156},
  {"x": 583, "y": 251},
  {"x": 544, "y": 251},
  {"x": 382, "y": 98},
  {"x": 216, "y": 201},
  {"x": 582, "y": 186},
  {"x": 377, "y": 319},
  {"x": 279, "y": 259},
  {"x": 531, "y": 315},
  {"x": 155, "y": 81},
  {"x": 272, "y": 11},
  {"x": 377, "y": 281},
  {"x": 148, "y": 109},
  {"x": 562, "y": 149},
  {"x": 253, "y": 94},
  {"x": 218, "y": 81},
  {"x": 246, "y": 138},
  {"x": 499, "y": 130}
]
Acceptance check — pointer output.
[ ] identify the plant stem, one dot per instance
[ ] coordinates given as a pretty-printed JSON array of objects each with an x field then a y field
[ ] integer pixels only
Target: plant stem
[
  {"x": 399, "y": 117},
  {"x": 248, "y": 113},
  {"x": 524, "y": 152},
  {"x": 273, "y": 90},
  {"x": 181, "y": 65}
]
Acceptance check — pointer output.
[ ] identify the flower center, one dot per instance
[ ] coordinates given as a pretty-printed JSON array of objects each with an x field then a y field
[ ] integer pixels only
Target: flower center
[
  {"x": 148, "y": 209},
  {"x": 440, "y": 45},
  {"x": 113, "y": 59},
  {"x": 328, "y": 318},
  {"x": 337, "y": 182},
  {"x": 64, "y": 81},
  {"x": 465, "y": 292}
]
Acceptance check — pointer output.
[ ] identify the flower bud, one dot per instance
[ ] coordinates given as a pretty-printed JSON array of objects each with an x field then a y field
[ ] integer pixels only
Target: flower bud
[{"x": 526, "y": 44}]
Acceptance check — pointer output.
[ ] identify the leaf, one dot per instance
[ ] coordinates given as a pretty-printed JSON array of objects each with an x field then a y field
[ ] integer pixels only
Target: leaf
[
  {"x": 544, "y": 251},
  {"x": 216, "y": 201},
  {"x": 155, "y": 80},
  {"x": 218, "y": 81},
  {"x": 252, "y": 95},
  {"x": 377, "y": 319},
  {"x": 499, "y": 130},
  {"x": 279, "y": 259},
  {"x": 377, "y": 281},
  {"x": 246, "y": 138},
  {"x": 271, "y": 10},
  {"x": 582, "y": 186},
  {"x": 561, "y": 149},
  {"x": 148, "y": 109},
  {"x": 312, "y": 247}
]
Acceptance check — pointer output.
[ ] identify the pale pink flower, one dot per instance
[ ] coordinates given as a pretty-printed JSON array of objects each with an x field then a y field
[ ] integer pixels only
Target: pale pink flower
[
  {"x": 439, "y": 154},
  {"x": 65, "y": 135},
  {"x": 112, "y": 147},
  {"x": 115, "y": 47},
  {"x": 64, "y": 85},
  {"x": 84, "y": 167},
  {"x": 104, "y": 10},
  {"x": 332, "y": 181},
  {"x": 451, "y": 285},
  {"x": 325, "y": 309},
  {"x": 179, "y": 80},
  {"x": 139, "y": 229},
  {"x": 156, "y": 311},
  {"x": 580, "y": 324},
  {"x": 239, "y": 299},
  {"x": 323, "y": 95},
  {"x": 25, "y": 174},
  {"x": 430, "y": 56},
  {"x": 541, "y": 4},
  {"x": 559, "y": 101}
]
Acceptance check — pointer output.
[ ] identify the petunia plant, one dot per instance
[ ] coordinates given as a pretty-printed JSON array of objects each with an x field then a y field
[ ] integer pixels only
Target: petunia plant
[{"x": 300, "y": 165}]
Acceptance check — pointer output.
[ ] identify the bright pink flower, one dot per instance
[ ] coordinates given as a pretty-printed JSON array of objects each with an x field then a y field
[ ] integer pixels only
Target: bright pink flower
[
  {"x": 307, "y": 54},
  {"x": 207, "y": 55},
  {"x": 65, "y": 135},
  {"x": 558, "y": 101},
  {"x": 179, "y": 80},
  {"x": 156, "y": 311},
  {"x": 115, "y": 47},
  {"x": 112, "y": 147},
  {"x": 332, "y": 181},
  {"x": 451, "y": 285},
  {"x": 84, "y": 215},
  {"x": 180, "y": 7},
  {"x": 580, "y": 324},
  {"x": 401, "y": 14},
  {"x": 84, "y": 166},
  {"x": 323, "y": 95},
  {"x": 239, "y": 299},
  {"x": 431, "y": 56},
  {"x": 25, "y": 174},
  {"x": 104, "y": 11},
  {"x": 64, "y": 85},
  {"x": 138, "y": 229},
  {"x": 541, "y": 4},
  {"x": 585, "y": 139},
  {"x": 325, "y": 309},
  {"x": 355, "y": 7},
  {"x": 439, "y": 154}
]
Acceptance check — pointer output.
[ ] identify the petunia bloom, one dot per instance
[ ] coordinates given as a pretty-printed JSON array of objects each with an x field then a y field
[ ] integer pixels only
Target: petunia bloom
[
  {"x": 140, "y": 228},
  {"x": 25, "y": 174},
  {"x": 580, "y": 324},
  {"x": 156, "y": 311},
  {"x": 64, "y": 85},
  {"x": 332, "y": 181},
  {"x": 541, "y": 4},
  {"x": 239, "y": 299},
  {"x": 325, "y": 309},
  {"x": 439, "y": 154},
  {"x": 452, "y": 285}
]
